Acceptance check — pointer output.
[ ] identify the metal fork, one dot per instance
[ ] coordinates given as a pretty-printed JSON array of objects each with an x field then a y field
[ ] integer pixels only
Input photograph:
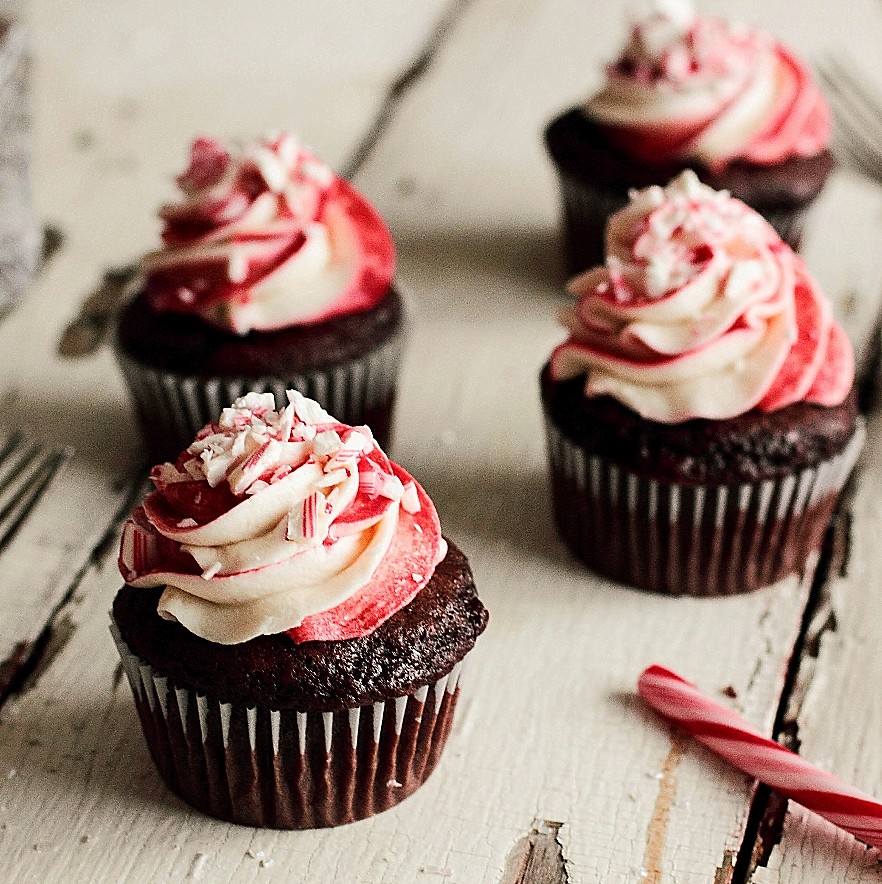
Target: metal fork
[
  {"x": 857, "y": 113},
  {"x": 27, "y": 466}
]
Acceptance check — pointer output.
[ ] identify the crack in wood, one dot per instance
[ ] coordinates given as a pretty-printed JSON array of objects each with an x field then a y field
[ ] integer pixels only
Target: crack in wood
[
  {"x": 12, "y": 665},
  {"x": 53, "y": 641},
  {"x": 26, "y": 469},
  {"x": 537, "y": 858},
  {"x": 657, "y": 832},
  {"x": 765, "y": 821},
  {"x": 23, "y": 670},
  {"x": 87, "y": 331},
  {"x": 53, "y": 240},
  {"x": 403, "y": 84},
  {"x": 725, "y": 870},
  {"x": 768, "y": 811}
]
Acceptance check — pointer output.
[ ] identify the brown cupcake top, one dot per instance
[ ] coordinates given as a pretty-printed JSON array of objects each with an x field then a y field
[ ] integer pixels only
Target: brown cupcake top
[{"x": 416, "y": 646}]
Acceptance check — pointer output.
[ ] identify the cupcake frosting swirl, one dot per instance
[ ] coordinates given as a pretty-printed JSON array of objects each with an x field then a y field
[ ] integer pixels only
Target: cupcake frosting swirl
[
  {"x": 282, "y": 521},
  {"x": 692, "y": 87},
  {"x": 701, "y": 311},
  {"x": 265, "y": 237}
]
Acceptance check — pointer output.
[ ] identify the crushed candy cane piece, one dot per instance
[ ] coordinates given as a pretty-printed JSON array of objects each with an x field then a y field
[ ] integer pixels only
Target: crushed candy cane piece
[
  {"x": 327, "y": 442},
  {"x": 279, "y": 473},
  {"x": 262, "y": 459},
  {"x": 310, "y": 516},
  {"x": 211, "y": 571},
  {"x": 391, "y": 486},
  {"x": 334, "y": 478},
  {"x": 187, "y": 523},
  {"x": 410, "y": 500},
  {"x": 308, "y": 410}
]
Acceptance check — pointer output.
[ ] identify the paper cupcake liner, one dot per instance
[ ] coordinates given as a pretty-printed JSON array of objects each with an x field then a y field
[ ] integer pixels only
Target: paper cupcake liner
[
  {"x": 586, "y": 209},
  {"x": 172, "y": 408},
  {"x": 585, "y": 213},
  {"x": 699, "y": 540},
  {"x": 286, "y": 769}
]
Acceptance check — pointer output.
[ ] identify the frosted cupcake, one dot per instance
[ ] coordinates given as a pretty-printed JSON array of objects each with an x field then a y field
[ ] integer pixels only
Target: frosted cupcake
[
  {"x": 293, "y": 623},
  {"x": 274, "y": 273},
  {"x": 691, "y": 91},
  {"x": 701, "y": 414}
]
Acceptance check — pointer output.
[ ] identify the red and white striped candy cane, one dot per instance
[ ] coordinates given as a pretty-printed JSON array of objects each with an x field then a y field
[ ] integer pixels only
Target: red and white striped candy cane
[{"x": 742, "y": 745}]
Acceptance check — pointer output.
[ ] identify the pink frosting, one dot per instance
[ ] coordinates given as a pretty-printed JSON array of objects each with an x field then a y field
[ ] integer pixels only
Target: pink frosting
[
  {"x": 701, "y": 311},
  {"x": 694, "y": 87},
  {"x": 282, "y": 521},
  {"x": 265, "y": 237}
]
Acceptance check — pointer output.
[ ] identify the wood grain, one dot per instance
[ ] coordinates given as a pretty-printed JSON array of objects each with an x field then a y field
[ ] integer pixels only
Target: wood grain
[{"x": 548, "y": 727}]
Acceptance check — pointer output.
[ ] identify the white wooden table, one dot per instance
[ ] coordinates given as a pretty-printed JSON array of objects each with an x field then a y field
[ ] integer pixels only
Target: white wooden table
[{"x": 554, "y": 771}]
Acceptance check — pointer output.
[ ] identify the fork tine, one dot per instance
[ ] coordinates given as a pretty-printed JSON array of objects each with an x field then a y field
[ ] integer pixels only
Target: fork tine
[
  {"x": 858, "y": 114},
  {"x": 869, "y": 165},
  {"x": 853, "y": 134}
]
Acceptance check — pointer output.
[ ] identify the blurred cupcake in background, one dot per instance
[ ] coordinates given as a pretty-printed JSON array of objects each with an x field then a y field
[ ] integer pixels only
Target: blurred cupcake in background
[
  {"x": 701, "y": 414},
  {"x": 274, "y": 273},
  {"x": 692, "y": 91}
]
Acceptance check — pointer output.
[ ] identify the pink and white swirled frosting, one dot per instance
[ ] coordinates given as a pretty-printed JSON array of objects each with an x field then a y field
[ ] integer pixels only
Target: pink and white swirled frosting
[
  {"x": 701, "y": 311},
  {"x": 266, "y": 237},
  {"x": 282, "y": 521},
  {"x": 691, "y": 87}
]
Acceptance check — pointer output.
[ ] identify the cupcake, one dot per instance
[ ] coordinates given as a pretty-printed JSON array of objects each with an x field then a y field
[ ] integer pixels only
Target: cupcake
[
  {"x": 701, "y": 415},
  {"x": 274, "y": 273},
  {"x": 691, "y": 91},
  {"x": 293, "y": 623}
]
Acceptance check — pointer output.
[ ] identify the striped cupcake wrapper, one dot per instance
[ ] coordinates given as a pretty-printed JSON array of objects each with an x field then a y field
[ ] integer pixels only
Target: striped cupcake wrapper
[
  {"x": 585, "y": 213},
  {"x": 172, "y": 408},
  {"x": 286, "y": 769},
  {"x": 586, "y": 209},
  {"x": 699, "y": 540}
]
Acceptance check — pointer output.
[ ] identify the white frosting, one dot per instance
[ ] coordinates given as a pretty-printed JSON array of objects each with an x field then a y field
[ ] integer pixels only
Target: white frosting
[
  {"x": 321, "y": 510},
  {"x": 693, "y": 314}
]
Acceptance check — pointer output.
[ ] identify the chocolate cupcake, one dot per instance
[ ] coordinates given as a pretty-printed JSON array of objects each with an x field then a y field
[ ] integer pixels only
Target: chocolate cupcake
[
  {"x": 725, "y": 100},
  {"x": 701, "y": 415},
  {"x": 274, "y": 274},
  {"x": 293, "y": 624}
]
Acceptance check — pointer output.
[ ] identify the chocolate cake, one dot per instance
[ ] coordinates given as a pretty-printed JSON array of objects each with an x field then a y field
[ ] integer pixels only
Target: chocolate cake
[
  {"x": 164, "y": 355},
  {"x": 415, "y": 647},
  {"x": 698, "y": 508},
  {"x": 273, "y": 273},
  {"x": 749, "y": 447},
  {"x": 293, "y": 624},
  {"x": 596, "y": 175},
  {"x": 692, "y": 91}
]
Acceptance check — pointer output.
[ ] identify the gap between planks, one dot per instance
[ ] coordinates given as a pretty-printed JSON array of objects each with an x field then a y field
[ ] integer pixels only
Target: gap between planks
[{"x": 768, "y": 810}]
